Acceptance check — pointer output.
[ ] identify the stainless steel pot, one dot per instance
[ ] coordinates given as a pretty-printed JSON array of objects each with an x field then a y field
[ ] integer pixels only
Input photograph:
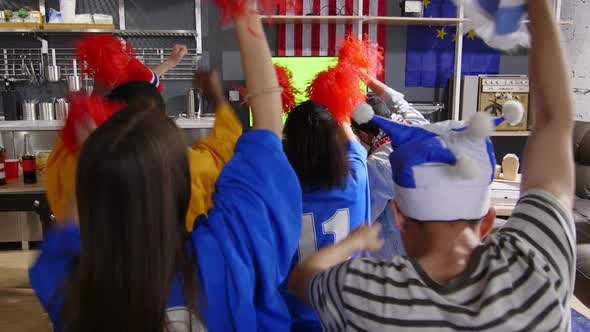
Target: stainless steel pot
[
  {"x": 30, "y": 110},
  {"x": 74, "y": 83},
  {"x": 62, "y": 109},
  {"x": 52, "y": 73},
  {"x": 47, "y": 111}
]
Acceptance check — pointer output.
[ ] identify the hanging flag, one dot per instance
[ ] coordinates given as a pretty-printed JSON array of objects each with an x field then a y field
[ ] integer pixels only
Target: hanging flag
[
  {"x": 431, "y": 50},
  {"x": 323, "y": 39}
]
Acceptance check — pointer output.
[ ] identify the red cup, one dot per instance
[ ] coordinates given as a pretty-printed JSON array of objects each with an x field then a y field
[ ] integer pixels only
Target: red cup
[{"x": 11, "y": 167}]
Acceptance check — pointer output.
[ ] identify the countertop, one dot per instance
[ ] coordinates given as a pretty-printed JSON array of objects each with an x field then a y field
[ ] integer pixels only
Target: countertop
[
  {"x": 17, "y": 186},
  {"x": 41, "y": 125}
]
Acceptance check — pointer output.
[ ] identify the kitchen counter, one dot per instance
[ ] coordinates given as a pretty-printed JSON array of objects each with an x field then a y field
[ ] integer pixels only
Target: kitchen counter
[
  {"x": 41, "y": 125},
  {"x": 17, "y": 186}
]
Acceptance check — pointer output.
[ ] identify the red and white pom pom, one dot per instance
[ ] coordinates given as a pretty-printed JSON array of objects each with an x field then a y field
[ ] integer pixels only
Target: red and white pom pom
[
  {"x": 338, "y": 89},
  {"x": 105, "y": 58},
  {"x": 367, "y": 57},
  {"x": 83, "y": 107},
  {"x": 285, "y": 77}
]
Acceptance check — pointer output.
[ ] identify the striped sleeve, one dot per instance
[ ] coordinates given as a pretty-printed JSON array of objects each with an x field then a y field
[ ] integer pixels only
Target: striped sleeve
[
  {"x": 540, "y": 220},
  {"x": 398, "y": 105},
  {"x": 325, "y": 296}
]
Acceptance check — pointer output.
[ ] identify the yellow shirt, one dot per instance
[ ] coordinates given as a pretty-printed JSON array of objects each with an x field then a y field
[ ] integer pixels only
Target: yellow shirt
[{"x": 206, "y": 157}]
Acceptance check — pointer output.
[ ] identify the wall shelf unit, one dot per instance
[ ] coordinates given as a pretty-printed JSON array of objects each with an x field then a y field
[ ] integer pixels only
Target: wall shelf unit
[{"x": 522, "y": 133}]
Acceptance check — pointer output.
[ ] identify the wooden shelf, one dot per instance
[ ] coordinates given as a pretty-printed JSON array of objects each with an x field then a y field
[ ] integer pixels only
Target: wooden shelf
[
  {"x": 77, "y": 27},
  {"x": 383, "y": 20},
  {"x": 19, "y": 27},
  {"x": 511, "y": 133},
  {"x": 308, "y": 19},
  {"x": 391, "y": 20}
]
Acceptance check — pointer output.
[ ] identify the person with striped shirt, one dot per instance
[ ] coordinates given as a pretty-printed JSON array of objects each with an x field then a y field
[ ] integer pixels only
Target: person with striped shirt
[{"x": 457, "y": 277}]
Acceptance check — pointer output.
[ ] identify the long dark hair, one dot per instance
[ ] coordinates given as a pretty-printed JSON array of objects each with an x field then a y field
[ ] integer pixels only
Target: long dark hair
[
  {"x": 316, "y": 146},
  {"x": 133, "y": 189}
]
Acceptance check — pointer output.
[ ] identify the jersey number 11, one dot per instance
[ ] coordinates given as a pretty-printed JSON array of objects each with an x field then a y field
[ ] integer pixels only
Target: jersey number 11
[{"x": 338, "y": 225}]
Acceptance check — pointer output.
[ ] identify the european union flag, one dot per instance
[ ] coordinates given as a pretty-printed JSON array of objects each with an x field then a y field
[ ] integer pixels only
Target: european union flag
[{"x": 431, "y": 50}]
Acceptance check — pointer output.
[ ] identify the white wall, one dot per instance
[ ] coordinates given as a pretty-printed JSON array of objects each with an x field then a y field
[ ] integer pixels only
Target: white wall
[{"x": 577, "y": 40}]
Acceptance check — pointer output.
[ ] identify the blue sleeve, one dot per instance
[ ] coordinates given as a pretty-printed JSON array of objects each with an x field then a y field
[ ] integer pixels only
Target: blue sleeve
[
  {"x": 357, "y": 157},
  {"x": 245, "y": 247},
  {"x": 56, "y": 263}
]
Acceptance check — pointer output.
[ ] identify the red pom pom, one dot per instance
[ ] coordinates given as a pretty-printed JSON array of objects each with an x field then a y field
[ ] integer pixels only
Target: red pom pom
[
  {"x": 361, "y": 54},
  {"x": 338, "y": 89},
  {"x": 285, "y": 77},
  {"x": 83, "y": 107},
  {"x": 232, "y": 9},
  {"x": 106, "y": 59}
]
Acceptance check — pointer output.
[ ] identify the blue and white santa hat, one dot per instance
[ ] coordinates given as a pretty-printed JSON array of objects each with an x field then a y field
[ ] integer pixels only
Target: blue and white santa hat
[
  {"x": 443, "y": 171},
  {"x": 500, "y": 23}
]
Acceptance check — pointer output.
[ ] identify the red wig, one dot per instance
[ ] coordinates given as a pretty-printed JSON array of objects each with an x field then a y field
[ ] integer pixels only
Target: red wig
[
  {"x": 112, "y": 62},
  {"x": 338, "y": 89}
]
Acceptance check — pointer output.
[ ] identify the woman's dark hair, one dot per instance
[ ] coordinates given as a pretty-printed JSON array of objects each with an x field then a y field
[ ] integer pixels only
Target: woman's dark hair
[
  {"x": 316, "y": 146},
  {"x": 133, "y": 190},
  {"x": 135, "y": 91},
  {"x": 380, "y": 108}
]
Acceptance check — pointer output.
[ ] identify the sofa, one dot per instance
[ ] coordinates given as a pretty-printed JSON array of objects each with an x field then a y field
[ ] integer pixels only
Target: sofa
[{"x": 582, "y": 210}]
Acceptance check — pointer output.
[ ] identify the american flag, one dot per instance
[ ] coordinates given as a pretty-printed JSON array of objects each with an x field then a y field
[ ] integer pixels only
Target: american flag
[{"x": 323, "y": 39}]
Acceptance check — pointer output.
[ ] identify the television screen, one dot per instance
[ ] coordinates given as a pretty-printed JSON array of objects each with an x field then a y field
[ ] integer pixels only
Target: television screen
[{"x": 304, "y": 69}]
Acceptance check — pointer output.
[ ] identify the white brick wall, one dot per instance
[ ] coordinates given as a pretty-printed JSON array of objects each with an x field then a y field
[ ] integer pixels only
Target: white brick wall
[{"x": 577, "y": 40}]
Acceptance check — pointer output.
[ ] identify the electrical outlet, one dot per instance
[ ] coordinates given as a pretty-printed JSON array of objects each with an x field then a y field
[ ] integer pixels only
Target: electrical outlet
[{"x": 234, "y": 95}]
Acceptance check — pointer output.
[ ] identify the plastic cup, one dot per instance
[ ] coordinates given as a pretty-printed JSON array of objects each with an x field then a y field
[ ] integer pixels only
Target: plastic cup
[
  {"x": 11, "y": 167},
  {"x": 68, "y": 10}
]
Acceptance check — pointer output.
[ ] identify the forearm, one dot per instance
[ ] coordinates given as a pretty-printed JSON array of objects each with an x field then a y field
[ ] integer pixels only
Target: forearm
[
  {"x": 350, "y": 136},
  {"x": 163, "y": 68},
  {"x": 376, "y": 86},
  {"x": 260, "y": 75},
  {"x": 319, "y": 262},
  {"x": 548, "y": 70}
]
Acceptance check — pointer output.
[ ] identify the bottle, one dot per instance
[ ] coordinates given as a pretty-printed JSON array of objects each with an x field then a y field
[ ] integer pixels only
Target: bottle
[
  {"x": 2, "y": 170},
  {"x": 29, "y": 162}
]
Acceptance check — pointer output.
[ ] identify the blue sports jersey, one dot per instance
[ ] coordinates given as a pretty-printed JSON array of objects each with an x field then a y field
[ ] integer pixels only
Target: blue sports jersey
[
  {"x": 244, "y": 248},
  {"x": 328, "y": 217}
]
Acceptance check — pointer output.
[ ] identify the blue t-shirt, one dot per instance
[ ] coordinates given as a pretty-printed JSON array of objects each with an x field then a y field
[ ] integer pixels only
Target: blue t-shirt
[
  {"x": 244, "y": 248},
  {"x": 328, "y": 217}
]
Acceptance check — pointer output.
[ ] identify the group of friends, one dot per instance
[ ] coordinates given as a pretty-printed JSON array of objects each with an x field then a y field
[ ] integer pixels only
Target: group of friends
[{"x": 300, "y": 228}]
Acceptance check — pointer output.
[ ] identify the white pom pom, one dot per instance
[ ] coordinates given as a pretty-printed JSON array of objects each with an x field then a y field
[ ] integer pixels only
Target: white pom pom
[
  {"x": 363, "y": 113},
  {"x": 466, "y": 168},
  {"x": 513, "y": 112},
  {"x": 481, "y": 125}
]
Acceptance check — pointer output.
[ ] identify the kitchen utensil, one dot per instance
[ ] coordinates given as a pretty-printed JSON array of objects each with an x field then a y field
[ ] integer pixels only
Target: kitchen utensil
[
  {"x": 23, "y": 67},
  {"x": 47, "y": 111},
  {"x": 62, "y": 109},
  {"x": 30, "y": 110},
  {"x": 34, "y": 79},
  {"x": 52, "y": 73},
  {"x": 195, "y": 103},
  {"x": 75, "y": 67},
  {"x": 74, "y": 83}
]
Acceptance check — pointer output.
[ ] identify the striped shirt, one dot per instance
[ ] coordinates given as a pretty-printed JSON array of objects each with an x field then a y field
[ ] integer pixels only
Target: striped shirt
[{"x": 519, "y": 279}]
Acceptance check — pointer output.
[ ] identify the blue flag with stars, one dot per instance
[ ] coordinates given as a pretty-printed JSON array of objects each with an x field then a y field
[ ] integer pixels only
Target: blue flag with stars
[{"x": 431, "y": 50}]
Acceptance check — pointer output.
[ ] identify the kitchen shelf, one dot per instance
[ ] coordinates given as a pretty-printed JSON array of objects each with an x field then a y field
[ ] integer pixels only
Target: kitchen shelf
[
  {"x": 76, "y": 27},
  {"x": 311, "y": 19},
  {"x": 521, "y": 133},
  {"x": 382, "y": 20},
  {"x": 19, "y": 26},
  {"x": 88, "y": 29},
  {"x": 412, "y": 20},
  {"x": 55, "y": 125}
]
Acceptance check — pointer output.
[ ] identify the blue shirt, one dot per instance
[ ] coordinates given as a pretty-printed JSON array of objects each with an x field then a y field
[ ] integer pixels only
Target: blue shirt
[
  {"x": 328, "y": 217},
  {"x": 244, "y": 248}
]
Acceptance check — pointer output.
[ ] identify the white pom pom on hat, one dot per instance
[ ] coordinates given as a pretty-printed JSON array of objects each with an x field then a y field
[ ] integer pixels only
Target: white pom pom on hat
[
  {"x": 363, "y": 113},
  {"x": 513, "y": 112},
  {"x": 481, "y": 125},
  {"x": 466, "y": 168}
]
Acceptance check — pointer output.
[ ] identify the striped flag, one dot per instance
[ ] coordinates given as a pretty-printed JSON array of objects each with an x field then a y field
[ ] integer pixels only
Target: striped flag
[{"x": 323, "y": 39}]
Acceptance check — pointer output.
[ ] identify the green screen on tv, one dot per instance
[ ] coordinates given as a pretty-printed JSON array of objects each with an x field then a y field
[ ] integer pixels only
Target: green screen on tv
[{"x": 304, "y": 70}]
